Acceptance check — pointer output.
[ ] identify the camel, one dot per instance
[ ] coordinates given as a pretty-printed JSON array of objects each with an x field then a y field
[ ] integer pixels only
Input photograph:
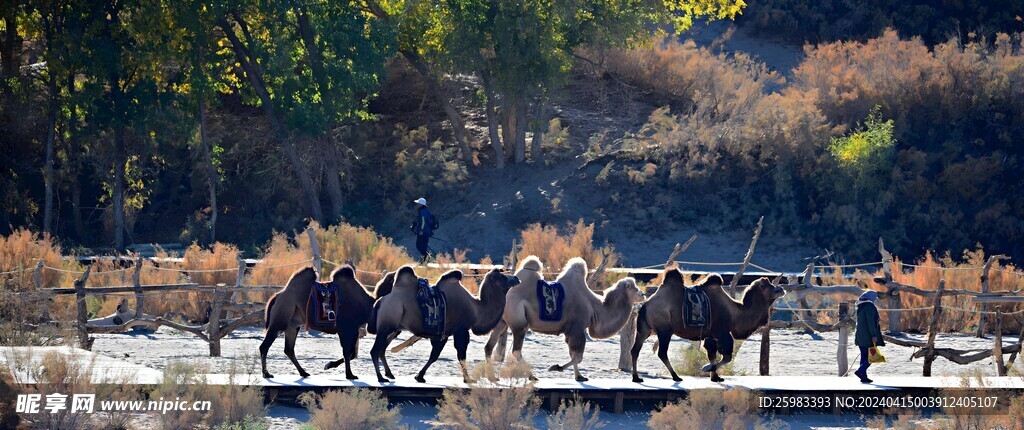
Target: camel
[
  {"x": 529, "y": 272},
  {"x": 584, "y": 312},
  {"x": 730, "y": 319},
  {"x": 382, "y": 289},
  {"x": 399, "y": 310},
  {"x": 286, "y": 311}
]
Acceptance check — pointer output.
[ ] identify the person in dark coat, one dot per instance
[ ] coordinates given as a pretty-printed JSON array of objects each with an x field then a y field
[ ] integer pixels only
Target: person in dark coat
[
  {"x": 869, "y": 332},
  {"x": 423, "y": 227}
]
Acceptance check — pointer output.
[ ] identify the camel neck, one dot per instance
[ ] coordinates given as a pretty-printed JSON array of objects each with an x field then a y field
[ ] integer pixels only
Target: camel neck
[
  {"x": 753, "y": 310},
  {"x": 611, "y": 314},
  {"x": 489, "y": 308}
]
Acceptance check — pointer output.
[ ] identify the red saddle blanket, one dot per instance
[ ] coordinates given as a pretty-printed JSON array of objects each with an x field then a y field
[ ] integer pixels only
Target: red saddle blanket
[{"x": 322, "y": 307}]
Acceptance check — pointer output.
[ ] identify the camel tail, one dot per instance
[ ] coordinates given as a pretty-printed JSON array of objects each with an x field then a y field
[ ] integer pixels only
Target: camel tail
[
  {"x": 266, "y": 314},
  {"x": 371, "y": 323}
]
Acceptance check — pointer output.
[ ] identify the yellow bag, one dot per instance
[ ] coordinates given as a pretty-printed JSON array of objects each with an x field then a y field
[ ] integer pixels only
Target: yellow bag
[{"x": 875, "y": 355}]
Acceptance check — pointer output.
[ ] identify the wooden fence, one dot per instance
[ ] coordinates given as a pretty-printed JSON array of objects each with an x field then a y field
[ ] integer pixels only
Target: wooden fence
[{"x": 798, "y": 288}]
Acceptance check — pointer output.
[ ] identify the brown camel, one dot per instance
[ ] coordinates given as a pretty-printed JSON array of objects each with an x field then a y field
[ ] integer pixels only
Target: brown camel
[
  {"x": 286, "y": 311},
  {"x": 399, "y": 310},
  {"x": 584, "y": 312},
  {"x": 730, "y": 319}
]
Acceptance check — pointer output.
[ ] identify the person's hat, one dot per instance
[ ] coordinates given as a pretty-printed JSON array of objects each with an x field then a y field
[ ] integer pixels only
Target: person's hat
[
  {"x": 869, "y": 296},
  {"x": 421, "y": 201}
]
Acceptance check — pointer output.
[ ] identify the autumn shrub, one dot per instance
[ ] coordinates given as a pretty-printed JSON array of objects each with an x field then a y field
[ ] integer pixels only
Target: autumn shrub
[
  {"x": 240, "y": 400},
  {"x": 732, "y": 408},
  {"x": 22, "y": 306},
  {"x": 351, "y": 409},
  {"x": 183, "y": 381},
  {"x": 508, "y": 402},
  {"x": 58, "y": 374},
  {"x": 556, "y": 246}
]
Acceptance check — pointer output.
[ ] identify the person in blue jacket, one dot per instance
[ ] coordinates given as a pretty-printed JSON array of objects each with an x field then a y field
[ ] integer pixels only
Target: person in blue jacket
[
  {"x": 869, "y": 332},
  {"x": 423, "y": 227}
]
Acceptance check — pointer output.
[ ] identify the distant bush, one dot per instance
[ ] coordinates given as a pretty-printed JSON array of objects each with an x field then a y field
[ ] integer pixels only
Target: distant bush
[
  {"x": 555, "y": 247},
  {"x": 575, "y": 414}
]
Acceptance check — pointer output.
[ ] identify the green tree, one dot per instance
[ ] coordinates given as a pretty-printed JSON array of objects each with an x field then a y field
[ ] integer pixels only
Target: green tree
[{"x": 865, "y": 155}]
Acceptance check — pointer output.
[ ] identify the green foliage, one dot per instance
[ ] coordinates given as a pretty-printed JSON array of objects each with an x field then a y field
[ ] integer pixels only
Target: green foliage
[{"x": 866, "y": 154}]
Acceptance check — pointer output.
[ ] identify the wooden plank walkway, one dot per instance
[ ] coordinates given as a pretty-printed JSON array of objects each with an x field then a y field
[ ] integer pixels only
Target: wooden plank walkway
[{"x": 612, "y": 394}]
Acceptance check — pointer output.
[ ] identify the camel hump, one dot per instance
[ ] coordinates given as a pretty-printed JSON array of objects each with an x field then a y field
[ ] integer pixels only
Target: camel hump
[
  {"x": 533, "y": 263},
  {"x": 453, "y": 274},
  {"x": 406, "y": 271},
  {"x": 674, "y": 275},
  {"x": 345, "y": 271},
  {"x": 712, "y": 279},
  {"x": 575, "y": 268}
]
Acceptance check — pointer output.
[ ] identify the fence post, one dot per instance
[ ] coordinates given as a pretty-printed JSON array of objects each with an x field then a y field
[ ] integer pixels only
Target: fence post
[
  {"x": 82, "y": 322},
  {"x": 895, "y": 318},
  {"x": 982, "y": 319},
  {"x": 763, "y": 363},
  {"x": 842, "y": 357},
  {"x": 933, "y": 329},
  {"x": 37, "y": 277},
  {"x": 997, "y": 349},
  {"x": 317, "y": 262},
  {"x": 214, "y": 324},
  {"x": 746, "y": 259},
  {"x": 136, "y": 279}
]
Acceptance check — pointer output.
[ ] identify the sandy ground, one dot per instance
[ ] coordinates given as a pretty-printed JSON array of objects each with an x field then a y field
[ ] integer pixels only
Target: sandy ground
[{"x": 793, "y": 352}]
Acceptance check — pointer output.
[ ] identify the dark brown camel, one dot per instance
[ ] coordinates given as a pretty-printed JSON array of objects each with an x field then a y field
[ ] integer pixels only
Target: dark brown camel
[
  {"x": 286, "y": 311},
  {"x": 382, "y": 289},
  {"x": 730, "y": 319},
  {"x": 398, "y": 311}
]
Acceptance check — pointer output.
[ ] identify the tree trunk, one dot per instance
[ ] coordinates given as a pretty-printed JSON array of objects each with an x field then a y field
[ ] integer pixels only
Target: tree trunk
[
  {"x": 458, "y": 126},
  {"x": 333, "y": 182},
  {"x": 212, "y": 176},
  {"x": 539, "y": 125},
  {"x": 120, "y": 163},
  {"x": 9, "y": 51},
  {"x": 255, "y": 77},
  {"x": 520, "y": 131},
  {"x": 48, "y": 170},
  {"x": 508, "y": 127},
  {"x": 492, "y": 125}
]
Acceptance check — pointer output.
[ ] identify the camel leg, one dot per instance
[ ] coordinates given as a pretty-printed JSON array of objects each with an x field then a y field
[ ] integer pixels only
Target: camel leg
[
  {"x": 518, "y": 336},
  {"x": 664, "y": 339},
  {"x": 384, "y": 356},
  {"x": 498, "y": 335},
  {"x": 461, "y": 345},
  {"x": 268, "y": 340},
  {"x": 289, "y": 349},
  {"x": 643, "y": 331},
  {"x": 349, "y": 345},
  {"x": 576, "y": 346},
  {"x": 380, "y": 344},
  {"x": 711, "y": 346},
  {"x": 436, "y": 345}
]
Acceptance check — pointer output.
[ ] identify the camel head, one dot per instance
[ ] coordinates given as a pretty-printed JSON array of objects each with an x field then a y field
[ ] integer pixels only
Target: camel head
[
  {"x": 497, "y": 278},
  {"x": 628, "y": 285},
  {"x": 530, "y": 270},
  {"x": 765, "y": 290},
  {"x": 384, "y": 286}
]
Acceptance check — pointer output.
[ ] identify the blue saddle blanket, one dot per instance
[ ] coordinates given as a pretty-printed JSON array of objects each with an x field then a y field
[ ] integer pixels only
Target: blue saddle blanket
[
  {"x": 551, "y": 297},
  {"x": 432, "y": 305},
  {"x": 322, "y": 306},
  {"x": 696, "y": 307}
]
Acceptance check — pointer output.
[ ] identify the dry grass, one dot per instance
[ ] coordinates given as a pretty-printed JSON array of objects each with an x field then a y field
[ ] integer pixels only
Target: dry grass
[
  {"x": 689, "y": 359},
  {"x": 504, "y": 404},
  {"x": 185, "y": 381},
  {"x": 899, "y": 419},
  {"x": 575, "y": 414},
  {"x": 352, "y": 409},
  {"x": 56, "y": 374},
  {"x": 239, "y": 401},
  {"x": 733, "y": 408}
]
